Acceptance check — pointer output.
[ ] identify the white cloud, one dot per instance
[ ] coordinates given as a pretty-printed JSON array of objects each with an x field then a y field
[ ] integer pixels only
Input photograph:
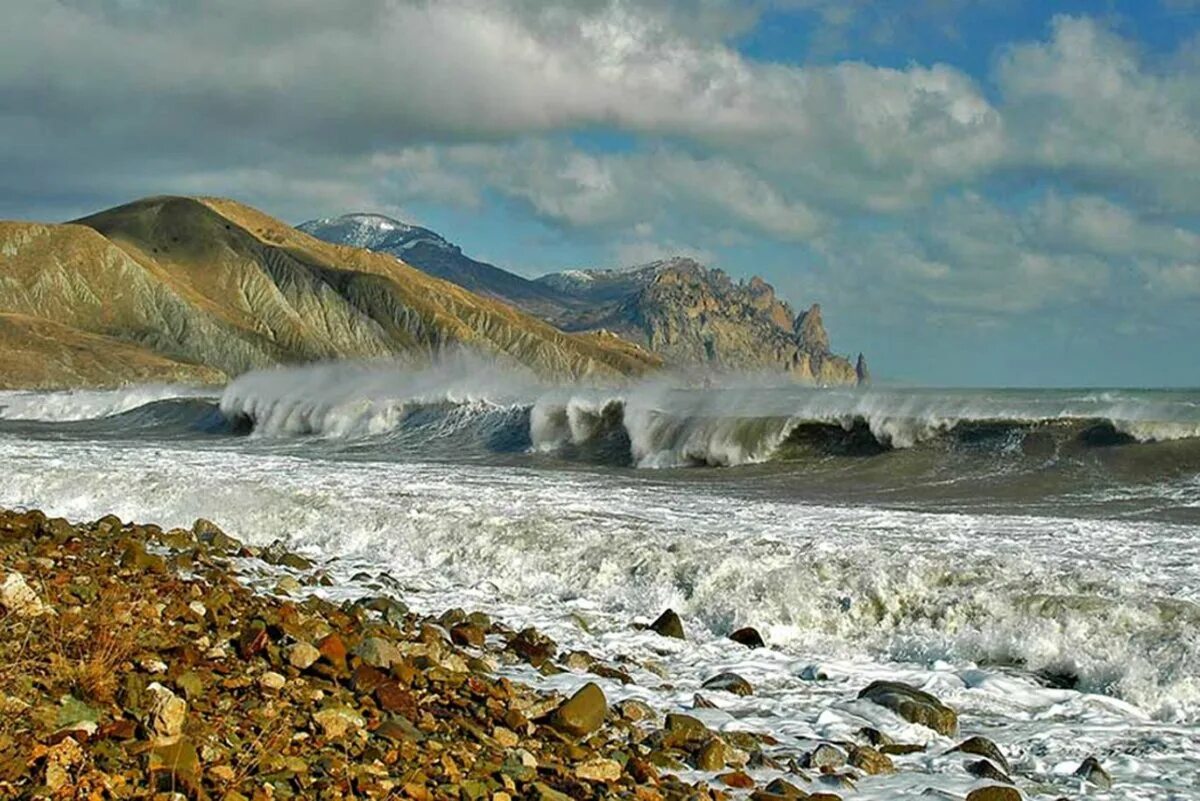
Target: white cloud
[{"x": 1084, "y": 104}]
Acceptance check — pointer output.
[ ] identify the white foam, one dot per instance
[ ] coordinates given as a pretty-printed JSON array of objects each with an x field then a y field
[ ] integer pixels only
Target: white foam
[
  {"x": 936, "y": 600},
  {"x": 85, "y": 404}
]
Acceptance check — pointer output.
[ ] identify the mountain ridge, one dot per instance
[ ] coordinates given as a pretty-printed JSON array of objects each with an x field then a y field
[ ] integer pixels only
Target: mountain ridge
[
  {"x": 202, "y": 289},
  {"x": 691, "y": 315}
]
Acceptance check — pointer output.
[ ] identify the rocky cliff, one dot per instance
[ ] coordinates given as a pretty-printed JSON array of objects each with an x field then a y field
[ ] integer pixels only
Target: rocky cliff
[
  {"x": 691, "y": 315},
  {"x": 694, "y": 315},
  {"x": 201, "y": 289}
]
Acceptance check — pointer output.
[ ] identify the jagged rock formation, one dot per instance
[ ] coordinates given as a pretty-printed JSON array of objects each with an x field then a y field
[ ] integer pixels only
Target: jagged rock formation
[
  {"x": 201, "y": 289},
  {"x": 694, "y": 315},
  {"x": 860, "y": 369},
  {"x": 689, "y": 314}
]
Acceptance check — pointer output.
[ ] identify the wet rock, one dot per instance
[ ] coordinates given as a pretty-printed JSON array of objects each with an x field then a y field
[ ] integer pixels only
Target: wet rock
[
  {"x": 711, "y": 756},
  {"x": 277, "y": 554},
  {"x": 730, "y": 683},
  {"x": 784, "y": 789},
  {"x": 748, "y": 637},
  {"x": 874, "y": 736},
  {"x": 634, "y": 710},
  {"x": 681, "y": 730},
  {"x": 1092, "y": 772},
  {"x": 18, "y": 598},
  {"x": 210, "y": 534},
  {"x": 870, "y": 761},
  {"x": 393, "y": 611},
  {"x": 736, "y": 779},
  {"x": 668, "y": 624},
  {"x": 982, "y": 746},
  {"x": 466, "y": 634},
  {"x": 167, "y": 711},
  {"x": 994, "y": 792},
  {"x": 532, "y": 646},
  {"x": 985, "y": 769},
  {"x": 825, "y": 757},
  {"x": 912, "y": 704},
  {"x": 583, "y": 713}
]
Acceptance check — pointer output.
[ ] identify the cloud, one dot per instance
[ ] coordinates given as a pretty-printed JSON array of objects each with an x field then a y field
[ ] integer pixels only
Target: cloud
[
  {"x": 1085, "y": 106},
  {"x": 170, "y": 88}
]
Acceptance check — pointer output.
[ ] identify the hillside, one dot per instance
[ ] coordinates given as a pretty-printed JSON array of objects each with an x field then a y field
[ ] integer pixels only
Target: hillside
[
  {"x": 202, "y": 289},
  {"x": 689, "y": 314}
]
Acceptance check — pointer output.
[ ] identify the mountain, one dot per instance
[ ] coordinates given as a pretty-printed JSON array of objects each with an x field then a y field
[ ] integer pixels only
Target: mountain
[
  {"x": 695, "y": 315},
  {"x": 431, "y": 253},
  {"x": 691, "y": 315},
  {"x": 202, "y": 289}
]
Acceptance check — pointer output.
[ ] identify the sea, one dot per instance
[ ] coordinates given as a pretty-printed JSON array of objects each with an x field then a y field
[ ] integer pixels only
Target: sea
[{"x": 1030, "y": 556}]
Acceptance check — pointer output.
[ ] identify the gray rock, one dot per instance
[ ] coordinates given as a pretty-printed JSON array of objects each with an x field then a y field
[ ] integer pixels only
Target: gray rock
[{"x": 912, "y": 704}]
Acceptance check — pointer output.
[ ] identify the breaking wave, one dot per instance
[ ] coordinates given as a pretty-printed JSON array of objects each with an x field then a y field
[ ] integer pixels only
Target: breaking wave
[{"x": 470, "y": 407}]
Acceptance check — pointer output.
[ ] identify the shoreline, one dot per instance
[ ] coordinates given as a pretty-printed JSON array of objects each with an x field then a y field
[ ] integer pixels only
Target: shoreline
[{"x": 135, "y": 661}]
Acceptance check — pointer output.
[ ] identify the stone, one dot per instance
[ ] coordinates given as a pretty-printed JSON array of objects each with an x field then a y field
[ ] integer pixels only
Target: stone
[
  {"x": 272, "y": 681},
  {"x": 634, "y": 710},
  {"x": 467, "y": 634},
  {"x": 211, "y": 535},
  {"x": 167, "y": 711},
  {"x": 1092, "y": 772},
  {"x": 730, "y": 683},
  {"x": 599, "y": 769},
  {"x": 994, "y": 792},
  {"x": 912, "y": 704},
  {"x": 177, "y": 764},
  {"x": 582, "y": 713},
  {"x": 870, "y": 761},
  {"x": 825, "y": 756},
  {"x": 982, "y": 746},
  {"x": 61, "y": 760},
  {"x": 336, "y": 721},
  {"x": 333, "y": 650},
  {"x": 668, "y": 624},
  {"x": 301, "y": 655},
  {"x": 679, "y": 729},
  {"x": 378, "y": 652},
  {"x": 748, "y": 637},
  {"x": 190, "y": 684},
  {"x": 737, "y": 780},
  {"x": 532, "y": 646},
  {"x": 986, "y": 769},
  {"x": 18, "y": 598},
  {"x": 784, "y": 789},
  {"x": 711, "y": 756}
]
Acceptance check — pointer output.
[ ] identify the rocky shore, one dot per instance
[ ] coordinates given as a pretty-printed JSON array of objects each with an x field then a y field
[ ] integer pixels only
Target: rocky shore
[{"x": 135, "y": 663}]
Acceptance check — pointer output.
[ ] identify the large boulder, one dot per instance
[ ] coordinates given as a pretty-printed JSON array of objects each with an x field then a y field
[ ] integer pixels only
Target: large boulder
[
  {"x": 915, "y": 706},
  {"x": 982, "y": 746},
  {"x": 668, "y": 624},
  {"x": 583, "y": 712},
  {"x": 730, "y": 683}
]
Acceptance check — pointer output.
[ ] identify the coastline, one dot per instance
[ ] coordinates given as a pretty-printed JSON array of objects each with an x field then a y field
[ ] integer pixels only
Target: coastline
[{"x": 135, "y": 661}]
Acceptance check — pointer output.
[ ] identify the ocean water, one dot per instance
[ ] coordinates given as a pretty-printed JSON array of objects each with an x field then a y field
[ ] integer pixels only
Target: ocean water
[{"x": 1031, "y": 557}]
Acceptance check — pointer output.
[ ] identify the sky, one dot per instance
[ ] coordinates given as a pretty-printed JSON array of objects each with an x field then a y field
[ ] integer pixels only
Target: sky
[{"x": 987, "y": 192}]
